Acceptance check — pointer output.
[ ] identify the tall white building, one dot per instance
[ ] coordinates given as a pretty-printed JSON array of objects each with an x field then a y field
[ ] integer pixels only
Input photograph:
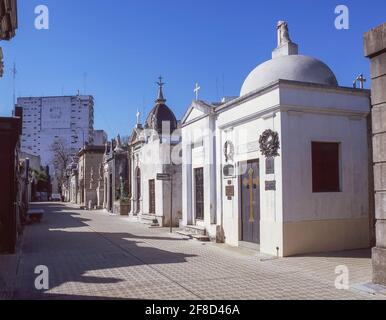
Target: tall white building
[
  {"x": 45, "y": 119},
  {"x": 284, "y": 168}
]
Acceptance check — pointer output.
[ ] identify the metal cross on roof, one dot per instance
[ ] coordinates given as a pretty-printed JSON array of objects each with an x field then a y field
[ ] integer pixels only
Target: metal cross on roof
[
  {"x": 160, "y": 98},
  {"x": 197, "y": 90},
  {"x": 160, "y": 82},
  {"x": 361, "y": 79}
]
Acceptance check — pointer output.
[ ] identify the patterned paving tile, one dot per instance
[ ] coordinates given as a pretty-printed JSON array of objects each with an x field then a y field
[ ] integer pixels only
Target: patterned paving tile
[{"x": 92, "y": 255}]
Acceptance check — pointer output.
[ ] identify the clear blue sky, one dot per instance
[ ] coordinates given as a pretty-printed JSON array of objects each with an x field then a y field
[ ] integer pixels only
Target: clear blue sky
[{"x": 124, "y": 45}]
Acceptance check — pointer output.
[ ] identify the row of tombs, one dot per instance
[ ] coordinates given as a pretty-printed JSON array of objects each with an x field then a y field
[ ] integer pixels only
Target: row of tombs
[{"x": 284, "y": 168}]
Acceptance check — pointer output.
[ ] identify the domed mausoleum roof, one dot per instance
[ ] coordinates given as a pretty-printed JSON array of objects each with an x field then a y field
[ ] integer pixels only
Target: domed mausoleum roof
[
  {"x": 286, "y": 64},
  {"x": 160, "y": 113}
]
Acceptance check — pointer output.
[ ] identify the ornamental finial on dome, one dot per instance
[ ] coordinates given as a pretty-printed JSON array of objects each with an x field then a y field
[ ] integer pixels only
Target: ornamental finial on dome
[
  {"x": 282, "y": 33},
  {"x": 160, "y": 98},
  {"x": 285, "y": 47}
]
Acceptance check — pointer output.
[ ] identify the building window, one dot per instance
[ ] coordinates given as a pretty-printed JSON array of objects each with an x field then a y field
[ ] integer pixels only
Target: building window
[
  {"x": 152, "y": 196},
  {"x": 325, "y": 167},
  {"x": 199, "y": 193}
]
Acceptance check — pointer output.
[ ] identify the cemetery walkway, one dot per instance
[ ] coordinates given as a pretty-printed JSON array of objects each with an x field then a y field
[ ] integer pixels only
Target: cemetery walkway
[{"x": 91, "y": 255}]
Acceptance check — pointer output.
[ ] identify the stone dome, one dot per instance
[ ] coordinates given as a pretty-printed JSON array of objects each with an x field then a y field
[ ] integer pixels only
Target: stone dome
[
  {"x": 160, "y": 113},
  {"x": 289, "y": 67}
]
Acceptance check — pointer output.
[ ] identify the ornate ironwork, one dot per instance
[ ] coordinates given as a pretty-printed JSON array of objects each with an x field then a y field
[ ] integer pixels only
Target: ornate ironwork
[
  {"x": 269, "y": 143},
  {"x": 251, "y": 184}
]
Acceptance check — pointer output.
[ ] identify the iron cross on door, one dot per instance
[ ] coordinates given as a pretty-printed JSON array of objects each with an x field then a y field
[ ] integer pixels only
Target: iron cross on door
[
  {"x": 251, "y": 183},
  {"x": 250, "y": 203}
]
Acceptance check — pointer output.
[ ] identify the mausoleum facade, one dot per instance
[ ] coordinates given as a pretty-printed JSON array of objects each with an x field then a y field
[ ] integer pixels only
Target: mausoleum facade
[
  {"x": 156, "y": 201},
  {"x": 284, "y": 167}
]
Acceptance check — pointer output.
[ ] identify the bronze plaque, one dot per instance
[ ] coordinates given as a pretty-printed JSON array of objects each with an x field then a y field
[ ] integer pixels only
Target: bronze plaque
[
  {"x": 270, "y": 185},
  {"x": 270, "y": 165},
  {"x": 230, "y": 191}
]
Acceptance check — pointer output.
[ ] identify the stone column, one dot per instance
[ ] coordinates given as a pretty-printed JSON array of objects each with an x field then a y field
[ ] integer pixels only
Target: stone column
[
  {"x": 375, "y": 50},
  {"x": 133, "y": 187},
  {"x": 100, "y": 194}
]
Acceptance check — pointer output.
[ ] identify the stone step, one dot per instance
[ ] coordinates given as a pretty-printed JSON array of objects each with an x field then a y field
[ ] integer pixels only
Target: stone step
[
  {"x": 196, "y": 230},
  {"x": 201, "y": 238},
  {"x": 197, "y": 237},
  {"x": 185, "y": 233},
  {"x": 149, "y": 219}
]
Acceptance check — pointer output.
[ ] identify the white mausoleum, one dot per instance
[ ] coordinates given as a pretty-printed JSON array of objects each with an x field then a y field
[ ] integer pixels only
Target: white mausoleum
[
  {"x": 284, "y": 168},
  {"x": 155, "y": 201}
]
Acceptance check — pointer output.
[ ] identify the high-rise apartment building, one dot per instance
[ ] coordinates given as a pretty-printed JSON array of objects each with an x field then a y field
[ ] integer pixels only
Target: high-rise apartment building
[{"x": 48, "y": 119}]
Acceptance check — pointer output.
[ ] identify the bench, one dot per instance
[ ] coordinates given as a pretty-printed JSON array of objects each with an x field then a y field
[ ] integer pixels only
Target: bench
[{"x": 35, "y": 215}]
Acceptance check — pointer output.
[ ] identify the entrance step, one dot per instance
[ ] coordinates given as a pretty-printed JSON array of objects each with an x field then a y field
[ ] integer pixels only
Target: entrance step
[
  {"x": 195, "y": 232},
  {"x": 184, "y": 233},
  {"x": 201, "y": 238},
  {"x": 149, "y": 219}
]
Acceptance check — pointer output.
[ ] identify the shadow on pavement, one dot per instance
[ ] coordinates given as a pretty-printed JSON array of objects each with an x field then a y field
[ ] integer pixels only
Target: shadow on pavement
[{"x": 80, "y": 259}]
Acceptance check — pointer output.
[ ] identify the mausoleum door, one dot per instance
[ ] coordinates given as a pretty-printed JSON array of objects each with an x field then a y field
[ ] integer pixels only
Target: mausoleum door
[
  {"x": 250, "y": 202},
  {"x": 152, "y": 196},
  {"x": 110, "y": 206},
  {"x": 199, "y": 193},
  {"x": 138, "y": 190}
]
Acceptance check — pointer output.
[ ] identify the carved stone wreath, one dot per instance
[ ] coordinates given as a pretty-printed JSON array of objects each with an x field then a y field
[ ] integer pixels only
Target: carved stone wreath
[
  {"x": 269, "y": 143},
  {"x": 229, "y": 151}
]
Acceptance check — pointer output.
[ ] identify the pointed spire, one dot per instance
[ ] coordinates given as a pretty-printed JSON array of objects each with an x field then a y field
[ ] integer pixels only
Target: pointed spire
[{"x": 160, "y": 98}]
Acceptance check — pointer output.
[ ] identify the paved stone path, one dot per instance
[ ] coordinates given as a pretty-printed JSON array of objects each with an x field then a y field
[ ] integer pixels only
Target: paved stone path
[{"x": 91, "y": 254}]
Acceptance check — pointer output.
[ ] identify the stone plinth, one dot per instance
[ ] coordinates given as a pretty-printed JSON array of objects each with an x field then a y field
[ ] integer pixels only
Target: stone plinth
[
  {"x": 122, "y": 208},
  {"x": 287, "y": 49},
  {"x": 379, "y": 265},
  {"x": 100, "y": 197},
  {"x": 91, "y": 196},
  {"x": 375, "y": 47}
]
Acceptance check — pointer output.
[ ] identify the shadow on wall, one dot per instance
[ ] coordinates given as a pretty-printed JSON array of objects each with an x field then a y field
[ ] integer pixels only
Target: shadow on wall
[{"x": 357, "y": 254}]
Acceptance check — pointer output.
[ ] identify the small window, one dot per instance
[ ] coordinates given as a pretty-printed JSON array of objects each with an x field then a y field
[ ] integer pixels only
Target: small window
[{"x": 325, "y": 167}]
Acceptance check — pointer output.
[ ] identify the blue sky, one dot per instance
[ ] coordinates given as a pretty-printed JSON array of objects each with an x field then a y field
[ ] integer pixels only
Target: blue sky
[{"x": 124, "y": 45}]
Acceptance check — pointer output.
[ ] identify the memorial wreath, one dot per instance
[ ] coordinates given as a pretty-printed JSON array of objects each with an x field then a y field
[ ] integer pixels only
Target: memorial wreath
[{"x": 269, "y": 143}]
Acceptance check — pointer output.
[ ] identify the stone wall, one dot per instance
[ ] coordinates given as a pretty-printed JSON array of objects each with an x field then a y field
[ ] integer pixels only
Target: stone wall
[
  {"x": 10, "y": 195},
  {"x": 375, "y": 50},
  {"x": 8, "y": 19},
  {"x": 90, "y": 160}
]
